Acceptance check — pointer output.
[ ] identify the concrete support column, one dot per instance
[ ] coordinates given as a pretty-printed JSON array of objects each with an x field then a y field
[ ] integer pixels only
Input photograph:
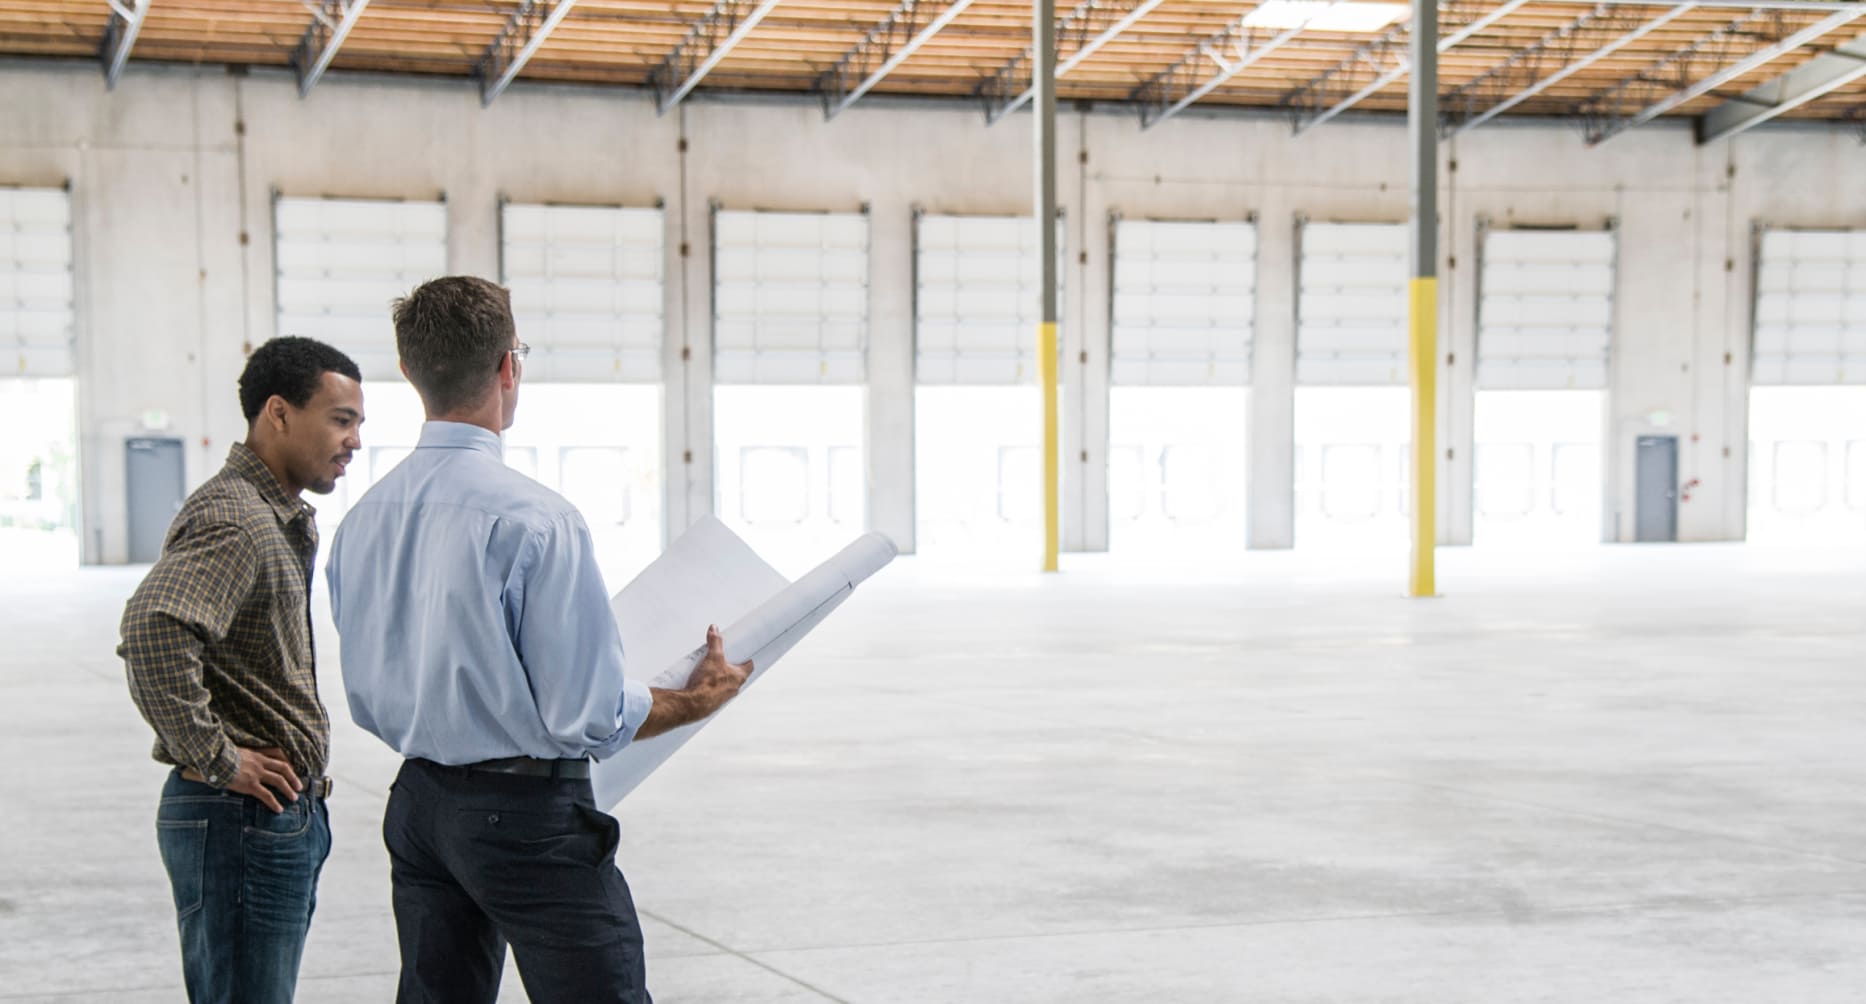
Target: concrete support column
[
  {"x": 1272, "y": 429},
  {"x": 472, "y": 223},
  {"x": 1091, "y": 277},
  {"x": 1458, "y": 372},
  {"x": 1732, "y": 490},
  {"x": 1705, "y": 472},
  {"x": 690, "y": 346},
  {"x": 890, "y": 412}
]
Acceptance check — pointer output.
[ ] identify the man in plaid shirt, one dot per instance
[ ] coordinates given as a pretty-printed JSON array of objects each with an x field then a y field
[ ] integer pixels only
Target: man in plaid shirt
[{"x": 217, "y": 648}]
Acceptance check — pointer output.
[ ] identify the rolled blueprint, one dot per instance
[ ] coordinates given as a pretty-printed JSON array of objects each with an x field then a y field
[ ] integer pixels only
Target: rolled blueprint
[{"x": 710, "y": 576}]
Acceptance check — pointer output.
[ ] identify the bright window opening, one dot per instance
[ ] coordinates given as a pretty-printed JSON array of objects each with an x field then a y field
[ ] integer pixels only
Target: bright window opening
[
  {"x": 978, "y": 474},
  {"x": 1351, "y": 467},
  {"x": 1537, "y": 468},
  {"x": 789, "y": 471},
  {"x": 39, "y": 473},
  {"x": 1808, "y": 466},
  {"x": 1176, "y": 464}
]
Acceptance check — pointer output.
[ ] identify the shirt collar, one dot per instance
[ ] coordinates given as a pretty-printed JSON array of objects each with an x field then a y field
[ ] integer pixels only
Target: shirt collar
[
  {"x": 244, "y": 462},
  {"x": 460, "y": 436}
]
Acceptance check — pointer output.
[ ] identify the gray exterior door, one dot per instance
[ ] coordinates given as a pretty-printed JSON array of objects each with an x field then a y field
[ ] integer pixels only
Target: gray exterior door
[
  {"x": 156, "y": 492},
  {"x": 1656, "y": 513}
]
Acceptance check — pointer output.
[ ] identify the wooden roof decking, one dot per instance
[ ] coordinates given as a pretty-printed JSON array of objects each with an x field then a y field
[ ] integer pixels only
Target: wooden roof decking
[{"x": 620, "y": 42}]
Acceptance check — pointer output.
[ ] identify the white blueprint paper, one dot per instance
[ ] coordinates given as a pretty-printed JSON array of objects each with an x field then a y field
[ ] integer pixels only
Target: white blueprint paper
[{"x": 710, "y": 576}]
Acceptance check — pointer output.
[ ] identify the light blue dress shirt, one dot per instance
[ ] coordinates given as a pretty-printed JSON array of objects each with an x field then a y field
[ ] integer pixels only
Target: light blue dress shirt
[{"x": 473, "y": 619}]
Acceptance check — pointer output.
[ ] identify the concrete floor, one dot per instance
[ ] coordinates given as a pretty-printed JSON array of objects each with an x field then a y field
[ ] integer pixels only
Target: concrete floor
[{"x": 1613, "y": 775}]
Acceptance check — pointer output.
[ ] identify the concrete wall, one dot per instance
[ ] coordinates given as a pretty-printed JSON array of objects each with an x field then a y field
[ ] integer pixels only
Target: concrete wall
[{"x": 172, "y": 174}]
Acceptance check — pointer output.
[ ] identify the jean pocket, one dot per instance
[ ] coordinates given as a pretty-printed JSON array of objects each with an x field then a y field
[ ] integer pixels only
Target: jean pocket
[
  {"x": 293, "y": 819},
  {"x": 183, "y": 843}
]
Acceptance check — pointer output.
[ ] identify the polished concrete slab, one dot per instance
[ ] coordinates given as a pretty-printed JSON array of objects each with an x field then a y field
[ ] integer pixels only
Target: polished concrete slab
[{"x": 1618, "y": 774}]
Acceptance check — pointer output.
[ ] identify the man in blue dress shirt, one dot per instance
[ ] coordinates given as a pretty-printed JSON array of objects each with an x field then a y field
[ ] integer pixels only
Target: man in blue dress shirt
[{"x": 478, "y": 642}]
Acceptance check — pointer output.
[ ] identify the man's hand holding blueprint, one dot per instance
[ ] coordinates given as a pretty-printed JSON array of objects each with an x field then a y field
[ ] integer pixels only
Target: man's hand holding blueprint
[{"x": 709, "y": 577}]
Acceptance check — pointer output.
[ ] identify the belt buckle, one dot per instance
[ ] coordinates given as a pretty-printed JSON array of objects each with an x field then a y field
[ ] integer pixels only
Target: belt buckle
[{"x": 321, "y": 787}]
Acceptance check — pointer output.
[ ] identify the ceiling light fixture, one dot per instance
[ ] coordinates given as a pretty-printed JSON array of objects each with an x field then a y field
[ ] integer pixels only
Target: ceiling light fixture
[{"x": 1320, "y": 15}]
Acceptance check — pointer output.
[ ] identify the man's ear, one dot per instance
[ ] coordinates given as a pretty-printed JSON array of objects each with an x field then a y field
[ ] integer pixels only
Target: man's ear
[{"x": 275, "y": 413}]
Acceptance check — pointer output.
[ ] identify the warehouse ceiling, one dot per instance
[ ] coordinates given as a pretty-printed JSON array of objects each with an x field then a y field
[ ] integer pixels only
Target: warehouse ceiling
[{"x": 1609, "y": 66}]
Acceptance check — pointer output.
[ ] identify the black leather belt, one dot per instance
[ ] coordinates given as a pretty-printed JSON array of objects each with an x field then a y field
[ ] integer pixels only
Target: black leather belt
[{"x": 574, "y": 770}]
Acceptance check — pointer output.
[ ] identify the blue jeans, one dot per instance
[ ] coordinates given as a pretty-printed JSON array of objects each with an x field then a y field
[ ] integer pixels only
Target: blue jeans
[{"x": 245, "y": 884}]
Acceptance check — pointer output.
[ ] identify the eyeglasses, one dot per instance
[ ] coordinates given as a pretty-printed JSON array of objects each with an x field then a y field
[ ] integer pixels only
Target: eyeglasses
[{"x": 522, "y": 351}]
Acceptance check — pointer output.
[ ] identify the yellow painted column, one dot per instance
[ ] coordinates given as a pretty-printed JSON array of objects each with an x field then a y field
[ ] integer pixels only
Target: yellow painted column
[
  {"x": 1422, "y": 137},
  {"x": 1422, "y": 363},
  {"x": 1052, "y": 446},
  {"x": 1043, "y": 109}
]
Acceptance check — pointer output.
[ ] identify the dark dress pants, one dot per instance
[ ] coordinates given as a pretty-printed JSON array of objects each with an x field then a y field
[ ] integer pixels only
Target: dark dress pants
[{"x": 479, "y": 860}]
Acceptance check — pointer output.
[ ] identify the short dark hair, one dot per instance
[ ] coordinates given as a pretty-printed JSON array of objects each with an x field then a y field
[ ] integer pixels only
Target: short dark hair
[
  {"x": 451, "y": 333},
  {"x": 292, "y": 368}
]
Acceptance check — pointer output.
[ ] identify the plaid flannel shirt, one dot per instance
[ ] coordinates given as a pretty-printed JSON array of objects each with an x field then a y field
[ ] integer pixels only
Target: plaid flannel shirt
[{"x": 217, "y": 639}]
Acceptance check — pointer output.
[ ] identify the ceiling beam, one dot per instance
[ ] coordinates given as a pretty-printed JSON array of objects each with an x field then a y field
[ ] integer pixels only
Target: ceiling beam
[
  {"x": 709, "y": 40},
  {"x": 1814, "y": 79},
  {"x": 1208, "y": 65},
  {"x": 882, "y": 50},
  {"x": 331, "y": 22},
  {"x": 1079, "y": 34},
  {"x": 1742, "y": 46},
  {"x": 518, "y": 41},
  {"x": 1379, "y": 63},
  {"x": 120, "y": 36},
  {"x": 1548, "y": 61}
]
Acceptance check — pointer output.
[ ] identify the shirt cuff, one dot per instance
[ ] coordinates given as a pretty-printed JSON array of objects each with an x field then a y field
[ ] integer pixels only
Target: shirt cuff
[
  {"x": 637, "y": 700},
  {"x": 221, "y": 771}
]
